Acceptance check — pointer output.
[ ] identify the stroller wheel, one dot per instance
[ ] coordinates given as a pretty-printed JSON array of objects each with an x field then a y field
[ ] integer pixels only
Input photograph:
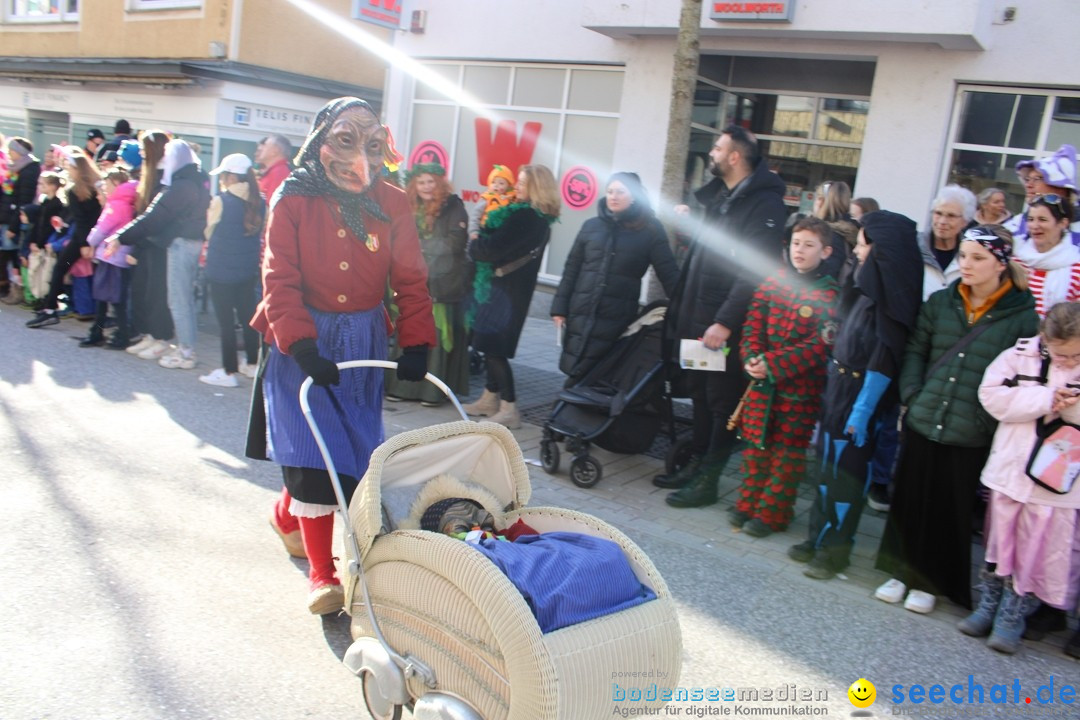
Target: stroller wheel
[
  {"x": 585, "y": 471},
  {"x": 549, "y": 456},
  {"x": 378, "y": 706},
  {"x": 678, "y": 455}
]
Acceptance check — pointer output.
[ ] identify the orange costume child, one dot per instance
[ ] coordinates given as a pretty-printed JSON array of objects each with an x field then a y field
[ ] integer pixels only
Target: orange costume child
[{"x": 500, "y": 193}]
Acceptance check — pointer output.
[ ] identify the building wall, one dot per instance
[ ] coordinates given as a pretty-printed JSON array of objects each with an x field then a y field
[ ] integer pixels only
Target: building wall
[
  {"x": 273, "y": 34},
  {"x": 107, "y": 29},
  {"x": 914, "y": 87},
  {"x": 286, "y": 38}
]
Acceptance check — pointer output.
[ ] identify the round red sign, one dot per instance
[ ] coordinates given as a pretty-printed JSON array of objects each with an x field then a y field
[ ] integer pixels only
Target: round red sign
[
  {"x": 429, "y": 151},
  {"x": 579, "y": 187}
]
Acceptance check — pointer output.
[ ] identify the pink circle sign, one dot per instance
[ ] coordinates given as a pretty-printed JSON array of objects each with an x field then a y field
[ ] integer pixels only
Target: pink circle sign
[
  {"x": 578, "y": 187},
  {"x": 429, "y": 151}
]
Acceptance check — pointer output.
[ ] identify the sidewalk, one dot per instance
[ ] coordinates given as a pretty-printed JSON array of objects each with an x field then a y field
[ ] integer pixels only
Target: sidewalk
[{"x": 626, "y": 497}]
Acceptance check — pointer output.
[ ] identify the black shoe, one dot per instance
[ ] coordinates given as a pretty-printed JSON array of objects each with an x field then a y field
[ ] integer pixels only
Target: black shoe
[
  {"x": 878, "y": 497},
  {"x": 681, "y": 477},
  {"x": 803, "y": 552},
  {"x": 699, "y": 493},
  {"x": 1044, "y": 620},
  {"x": 91, "y": 341},
  {"x": 1072, "y": 647},
  {"x": 42, "y": 319},
  {"x": 756, "y": 528},
  {"x": 737, "y": 518},
  {"x": 827, "y": 561}
]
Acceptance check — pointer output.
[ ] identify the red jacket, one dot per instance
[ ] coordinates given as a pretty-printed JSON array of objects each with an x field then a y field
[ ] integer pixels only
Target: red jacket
[
  {"x": 313, "y": 259},
  {"x": 272, "y": 177}
]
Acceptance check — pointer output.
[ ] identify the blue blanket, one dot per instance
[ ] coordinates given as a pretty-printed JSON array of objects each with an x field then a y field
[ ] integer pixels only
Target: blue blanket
[{"x": 568, "y": 578}]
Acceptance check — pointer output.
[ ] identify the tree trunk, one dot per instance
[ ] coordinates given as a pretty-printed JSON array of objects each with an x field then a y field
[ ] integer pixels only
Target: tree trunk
[{"x": 683, "y": 83}]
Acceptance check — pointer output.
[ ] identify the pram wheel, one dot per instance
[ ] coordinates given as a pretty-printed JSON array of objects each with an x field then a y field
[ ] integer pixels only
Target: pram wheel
[
  {"x": 585, "y": 471},
  {"x": 678, "y": 455},
  {"x": 549, "y": 456},
  {"x": 378, "y": 706}
]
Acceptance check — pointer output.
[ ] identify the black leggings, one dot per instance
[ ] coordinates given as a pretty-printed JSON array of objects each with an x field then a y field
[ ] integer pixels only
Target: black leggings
[
  {"x": 500, "y": 379},
  {"x": 235, "y": 302},
  {"x": 67, "y": 257}
]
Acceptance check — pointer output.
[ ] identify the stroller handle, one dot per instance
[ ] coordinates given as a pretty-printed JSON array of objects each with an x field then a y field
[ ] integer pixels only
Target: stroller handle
[{"x": 305, "y": 387}]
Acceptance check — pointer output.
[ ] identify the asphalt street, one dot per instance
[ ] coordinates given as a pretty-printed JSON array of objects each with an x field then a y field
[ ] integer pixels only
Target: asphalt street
[{"x": 139, "y": 577}]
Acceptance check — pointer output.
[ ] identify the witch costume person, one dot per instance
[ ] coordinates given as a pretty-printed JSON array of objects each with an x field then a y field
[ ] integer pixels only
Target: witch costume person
[
  {"x": 878, "y": 307},
  {"x": 338, "y": 236}
]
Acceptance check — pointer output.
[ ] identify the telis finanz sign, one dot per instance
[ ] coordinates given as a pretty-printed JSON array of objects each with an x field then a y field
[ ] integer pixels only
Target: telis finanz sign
[{"x": 776, "y": 11}]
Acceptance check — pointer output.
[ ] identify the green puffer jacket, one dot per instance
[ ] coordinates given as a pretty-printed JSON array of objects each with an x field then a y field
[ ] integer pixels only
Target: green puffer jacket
[{"x": 945, "y": 408}]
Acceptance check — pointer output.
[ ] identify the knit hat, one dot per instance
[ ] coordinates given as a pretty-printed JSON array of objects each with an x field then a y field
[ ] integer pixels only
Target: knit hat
[
  {"x": 1058, "y": 170},
  {"x": 459, "y": 511},
  {"x": 129, "y": 153},
  {"x": 501, "y": 171},
  {"x": 633, "y": 185}
]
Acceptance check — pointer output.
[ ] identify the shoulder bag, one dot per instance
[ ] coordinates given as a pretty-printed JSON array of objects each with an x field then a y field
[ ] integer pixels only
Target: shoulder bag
[{"x": 1054, "y": 463}]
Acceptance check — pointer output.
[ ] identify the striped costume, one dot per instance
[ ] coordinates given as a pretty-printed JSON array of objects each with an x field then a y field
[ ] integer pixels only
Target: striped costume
[{"x": 790, "y": 324}]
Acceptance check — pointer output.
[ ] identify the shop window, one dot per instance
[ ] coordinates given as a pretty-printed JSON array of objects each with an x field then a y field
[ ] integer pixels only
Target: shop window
[
  {"x": 807, "y": 139},
  {"x": 488, "y": 84},
  {"x": 595, "y": 90},
  {"x": 450, "y": 73},
  {"x": 995, "y": 129},
  {"x": 539, "y": 87},
  {"x": 43, "y": 10},
  {"x": 164, "y": 4}
]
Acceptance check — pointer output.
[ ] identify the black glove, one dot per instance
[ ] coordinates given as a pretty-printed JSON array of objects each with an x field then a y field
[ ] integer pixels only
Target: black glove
[
  {"x": 412, "y": 365},
  {"x": 321, "y": 371}
]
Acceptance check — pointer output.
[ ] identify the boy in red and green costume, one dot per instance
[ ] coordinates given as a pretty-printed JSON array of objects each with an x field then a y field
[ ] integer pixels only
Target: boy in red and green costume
[{"x": 785, "y": 341}]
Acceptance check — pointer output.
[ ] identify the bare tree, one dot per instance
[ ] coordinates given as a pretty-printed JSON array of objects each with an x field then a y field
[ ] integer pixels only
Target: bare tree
[{"x": 683, "y": 83}]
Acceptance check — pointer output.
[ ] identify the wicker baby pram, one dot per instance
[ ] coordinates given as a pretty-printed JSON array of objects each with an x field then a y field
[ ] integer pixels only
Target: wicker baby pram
[{"x": 439, "y": 628}]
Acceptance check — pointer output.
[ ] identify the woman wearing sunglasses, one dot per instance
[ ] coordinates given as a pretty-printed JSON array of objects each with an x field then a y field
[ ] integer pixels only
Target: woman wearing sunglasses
[
  {"x": 1052, "y": 175},
  {"x": 1053, "y": 263}
]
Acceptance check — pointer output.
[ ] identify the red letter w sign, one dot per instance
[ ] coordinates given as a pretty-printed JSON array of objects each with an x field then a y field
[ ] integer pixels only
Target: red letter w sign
[{"x": 505, "y": 148}]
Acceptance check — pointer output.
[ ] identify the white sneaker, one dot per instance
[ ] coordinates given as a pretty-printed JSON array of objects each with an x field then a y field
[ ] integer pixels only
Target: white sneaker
[
  {"x": 920, "y": 602},
  {"x": 891, "y": 592},
  {"x": 248, "y": 370},
  {"x": 219, "y": 378},
  {"x": 145, "y": 342},
  {"x": 177, "y": 360},
  {"x": 154, "y": 350}
]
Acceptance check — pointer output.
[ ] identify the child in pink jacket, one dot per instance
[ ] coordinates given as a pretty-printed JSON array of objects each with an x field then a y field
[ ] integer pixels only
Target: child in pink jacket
[
  {"x": 113, "y": 276},
  {"x": 1033, "y": 545}
]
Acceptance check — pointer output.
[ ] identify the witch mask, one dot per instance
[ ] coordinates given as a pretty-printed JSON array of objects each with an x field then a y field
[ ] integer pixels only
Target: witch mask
[{"x": 354, "y": 149}]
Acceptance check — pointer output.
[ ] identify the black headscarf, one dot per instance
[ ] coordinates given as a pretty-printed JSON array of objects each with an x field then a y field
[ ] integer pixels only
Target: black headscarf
[
  {"x": 892, "y": 276},
  {"x": 309, "y": 178}
]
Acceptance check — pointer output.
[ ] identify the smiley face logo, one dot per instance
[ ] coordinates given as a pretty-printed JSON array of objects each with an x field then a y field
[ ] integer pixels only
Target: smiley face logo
[{"x": 862, "y": 693}]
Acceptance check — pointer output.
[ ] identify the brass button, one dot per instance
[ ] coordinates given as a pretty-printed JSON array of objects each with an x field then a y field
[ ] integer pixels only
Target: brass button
[
  {"x": 344, "y": 265},
  {"x": 341, "y": 233},
  {"x": 341, "y": 298}
]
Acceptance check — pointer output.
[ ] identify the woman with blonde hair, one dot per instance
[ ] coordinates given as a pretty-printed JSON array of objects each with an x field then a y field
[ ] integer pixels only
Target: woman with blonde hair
[
  {"x": 150, "y": 316},
  {"x": 508, "y": 254},
  {"x": 83, "y": 209},
  {"x": 832, "y": 201}
]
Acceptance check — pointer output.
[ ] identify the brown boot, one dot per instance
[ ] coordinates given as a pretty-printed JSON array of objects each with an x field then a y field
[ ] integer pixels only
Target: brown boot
[
  {"x": 486, "y": 404},
  {"x": 508, "y": 415},
  {"x": 14, "y": 295}
]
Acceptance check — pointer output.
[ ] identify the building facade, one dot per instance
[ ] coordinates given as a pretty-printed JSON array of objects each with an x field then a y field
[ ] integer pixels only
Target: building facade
[
  {"x": 894, "y": 98},
  {"x": 220, "y": 73}
]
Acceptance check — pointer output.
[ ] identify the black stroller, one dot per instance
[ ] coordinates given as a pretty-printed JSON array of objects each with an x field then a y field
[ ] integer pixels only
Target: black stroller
[{"x": 620, "y": 404}]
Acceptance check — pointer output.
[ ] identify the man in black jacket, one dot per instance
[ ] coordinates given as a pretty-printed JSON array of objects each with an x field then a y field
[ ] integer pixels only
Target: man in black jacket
[{"x": 737, "y": 243}]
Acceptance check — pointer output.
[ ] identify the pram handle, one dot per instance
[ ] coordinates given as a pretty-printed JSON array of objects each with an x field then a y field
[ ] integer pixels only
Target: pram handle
[{"x": 409, "y": 665}]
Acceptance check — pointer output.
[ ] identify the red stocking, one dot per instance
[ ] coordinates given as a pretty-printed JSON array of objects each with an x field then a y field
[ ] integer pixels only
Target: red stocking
[
  {"x": 285, "y": 519},
  {"x": 318, "y": 535}
]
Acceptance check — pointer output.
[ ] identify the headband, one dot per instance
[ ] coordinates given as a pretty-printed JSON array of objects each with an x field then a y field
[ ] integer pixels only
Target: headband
[
  {"x": 997, "y": 246},
  {"x": 425, "y": 169}
]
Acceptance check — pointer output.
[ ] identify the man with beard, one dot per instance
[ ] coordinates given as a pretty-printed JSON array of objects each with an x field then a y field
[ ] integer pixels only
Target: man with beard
[
  {"x": 735, "y": 245},
  {"x": 338, "y": 236}
]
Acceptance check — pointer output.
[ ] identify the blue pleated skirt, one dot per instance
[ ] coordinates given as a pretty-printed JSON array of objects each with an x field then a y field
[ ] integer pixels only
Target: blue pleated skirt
[{"x": 352, "y": 427}]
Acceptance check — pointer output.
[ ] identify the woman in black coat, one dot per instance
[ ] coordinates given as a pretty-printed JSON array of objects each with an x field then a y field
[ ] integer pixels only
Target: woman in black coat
[
  {"x": 601, "y": 283},
  {"x": 508, "y": 253}
]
